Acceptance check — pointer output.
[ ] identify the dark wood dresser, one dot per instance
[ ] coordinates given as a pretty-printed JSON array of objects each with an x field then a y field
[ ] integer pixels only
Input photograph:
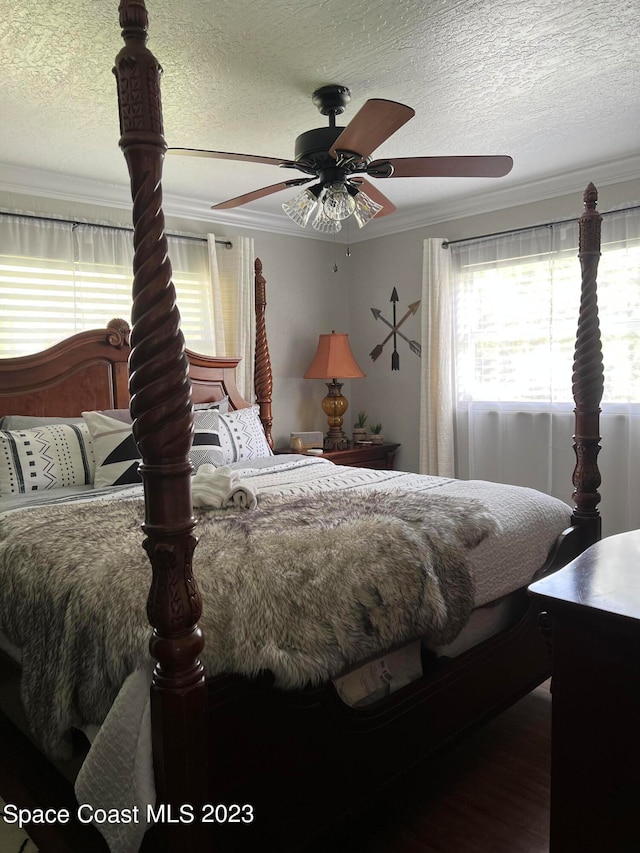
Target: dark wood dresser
[{"x": 594, "y": 605}]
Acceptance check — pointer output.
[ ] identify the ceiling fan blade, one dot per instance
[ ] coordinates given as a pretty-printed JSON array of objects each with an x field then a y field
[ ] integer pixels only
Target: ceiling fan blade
[
  {"x": 225, "y": 155},
  {"x": 442, "y": 167},
  {"x": 256, "y": 194},
  {"x": 372, "y": 125},
  {"x": 375, "y": 195}
]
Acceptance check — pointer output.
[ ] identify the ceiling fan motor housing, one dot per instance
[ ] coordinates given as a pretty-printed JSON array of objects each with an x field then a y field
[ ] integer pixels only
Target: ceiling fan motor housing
[{"x": 313, "y": 145}]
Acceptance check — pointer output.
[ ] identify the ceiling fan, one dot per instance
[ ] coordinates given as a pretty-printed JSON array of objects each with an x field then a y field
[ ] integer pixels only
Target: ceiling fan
[{"x": 339, "y": 160}]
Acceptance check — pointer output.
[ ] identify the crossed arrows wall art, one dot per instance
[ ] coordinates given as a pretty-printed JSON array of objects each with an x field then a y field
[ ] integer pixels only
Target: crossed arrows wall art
[{"x": 395, "y": 332}]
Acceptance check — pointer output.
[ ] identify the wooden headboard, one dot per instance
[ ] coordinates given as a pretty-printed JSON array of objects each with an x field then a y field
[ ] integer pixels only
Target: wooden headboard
[{"x": 90, "y": 371}]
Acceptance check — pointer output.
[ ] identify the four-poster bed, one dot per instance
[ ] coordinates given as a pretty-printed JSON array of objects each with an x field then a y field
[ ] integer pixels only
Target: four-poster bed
[{"x": 301, "y": 758}]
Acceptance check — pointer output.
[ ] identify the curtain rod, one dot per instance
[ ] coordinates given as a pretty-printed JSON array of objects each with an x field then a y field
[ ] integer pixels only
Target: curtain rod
[
  {"x": 75, "y": 223},
  {"x": 447, "y": 243}
]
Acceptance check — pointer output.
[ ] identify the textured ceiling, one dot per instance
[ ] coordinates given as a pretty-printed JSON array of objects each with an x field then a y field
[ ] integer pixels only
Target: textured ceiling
[{"x": 553, "y": 83}]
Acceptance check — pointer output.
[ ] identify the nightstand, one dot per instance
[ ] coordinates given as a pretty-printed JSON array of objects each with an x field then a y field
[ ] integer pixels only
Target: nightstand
[{"x": 367, "y": 456}]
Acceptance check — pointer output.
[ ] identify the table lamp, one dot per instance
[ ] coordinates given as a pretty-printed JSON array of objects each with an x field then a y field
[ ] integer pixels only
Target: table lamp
[{"x": 333, "y": 360}]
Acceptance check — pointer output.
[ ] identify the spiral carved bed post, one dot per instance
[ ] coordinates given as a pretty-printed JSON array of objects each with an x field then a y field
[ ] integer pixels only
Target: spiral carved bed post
[
  {"x": 163, "y": 428},
  {"x": 263, "y": 380},
  {"x": 588, "y": 379}
]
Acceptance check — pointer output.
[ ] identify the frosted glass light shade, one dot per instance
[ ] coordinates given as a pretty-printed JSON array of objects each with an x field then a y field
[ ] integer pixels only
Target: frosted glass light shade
[
  {"x": 324, "y": 224},
  {"x": 332, "y": 206},
  {"x": 366, "y": 209},
  {"x": 338, "y": 203},
  {"x": 301, "y": 207}
]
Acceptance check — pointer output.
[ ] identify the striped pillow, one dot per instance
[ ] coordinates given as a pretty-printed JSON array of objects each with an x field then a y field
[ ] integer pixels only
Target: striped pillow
[
  {"x": 47, "y": 457},
  {"x": 117, "y": 456}
]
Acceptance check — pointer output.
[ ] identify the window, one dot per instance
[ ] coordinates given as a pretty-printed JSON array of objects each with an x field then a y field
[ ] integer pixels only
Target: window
[
  {"x": 517, "y": 300},
  {"x": 60, "y": 278}
]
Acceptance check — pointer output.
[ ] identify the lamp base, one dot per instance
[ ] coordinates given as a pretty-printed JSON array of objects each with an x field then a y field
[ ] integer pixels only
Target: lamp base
[
  {"x": 334, "y": 405},
  {"x": 336, "y": 443}
]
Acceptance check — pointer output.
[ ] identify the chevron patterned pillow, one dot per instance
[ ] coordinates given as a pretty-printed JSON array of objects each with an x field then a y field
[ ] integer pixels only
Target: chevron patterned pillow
[{"x": 117, "y": 456}]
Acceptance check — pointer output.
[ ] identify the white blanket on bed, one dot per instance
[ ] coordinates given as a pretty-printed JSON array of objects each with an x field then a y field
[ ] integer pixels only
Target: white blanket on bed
[{"x": 530, "y": 521}]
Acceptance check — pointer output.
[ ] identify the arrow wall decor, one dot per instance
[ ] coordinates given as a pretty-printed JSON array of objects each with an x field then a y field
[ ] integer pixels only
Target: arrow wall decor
[{"x": 395, "y": 332}]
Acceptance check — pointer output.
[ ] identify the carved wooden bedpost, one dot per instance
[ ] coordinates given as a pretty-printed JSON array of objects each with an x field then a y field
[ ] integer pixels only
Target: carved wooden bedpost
[
  {"x": 588, "y": 379},
  {"x": 263, "y": 376},
  {"x": 163, "y": 427}
]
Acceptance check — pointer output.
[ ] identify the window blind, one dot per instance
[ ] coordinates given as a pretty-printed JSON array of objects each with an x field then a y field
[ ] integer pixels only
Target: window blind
[{"x": 57, "y": 279}]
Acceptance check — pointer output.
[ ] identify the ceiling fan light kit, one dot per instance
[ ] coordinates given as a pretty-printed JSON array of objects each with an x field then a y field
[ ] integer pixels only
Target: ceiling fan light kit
[
  {"x": 334, "y": 204},
  {"x": 338, "y": 158}
]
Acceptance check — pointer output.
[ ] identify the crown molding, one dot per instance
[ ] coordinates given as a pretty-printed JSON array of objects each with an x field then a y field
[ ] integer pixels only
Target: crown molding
[{"x": 32, "y": 182}]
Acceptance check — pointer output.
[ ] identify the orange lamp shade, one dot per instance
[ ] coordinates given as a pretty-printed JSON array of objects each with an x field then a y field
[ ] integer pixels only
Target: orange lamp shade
[{"x": 334, "y": 359}]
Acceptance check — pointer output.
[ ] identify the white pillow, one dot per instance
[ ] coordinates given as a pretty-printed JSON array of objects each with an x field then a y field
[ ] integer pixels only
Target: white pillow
[
  {"x": 47, "y": 457},
  {"x": 206, "y": 441},
  {"x": 242, "y": 435},
  {"x": 117, "y": 456}
]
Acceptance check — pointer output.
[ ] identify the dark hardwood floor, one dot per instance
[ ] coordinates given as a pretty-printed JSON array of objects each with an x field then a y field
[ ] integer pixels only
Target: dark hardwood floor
[{"x": 488, "y": 794}]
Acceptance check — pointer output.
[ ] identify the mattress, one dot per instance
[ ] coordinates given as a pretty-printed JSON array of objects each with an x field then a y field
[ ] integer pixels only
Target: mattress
[{"x": 376, "y": 679}]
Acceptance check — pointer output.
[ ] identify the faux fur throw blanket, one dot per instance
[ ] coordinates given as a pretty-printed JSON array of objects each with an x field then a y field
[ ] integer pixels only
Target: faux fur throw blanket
[{"x": 302, "y": 587}]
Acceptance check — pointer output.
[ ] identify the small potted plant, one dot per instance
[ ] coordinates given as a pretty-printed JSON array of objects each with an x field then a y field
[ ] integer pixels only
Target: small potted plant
[
  {"x": 359, "y": 428},
  {"x": 376, "y": 433}
]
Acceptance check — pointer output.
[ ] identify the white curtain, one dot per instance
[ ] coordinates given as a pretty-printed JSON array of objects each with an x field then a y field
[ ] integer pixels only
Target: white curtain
[
  {"x": 59, "y": 278},
  {"x": 232, "y": 284},
  {"x": 436, "y": 386},
  {"x": 516, "y": 308}
]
